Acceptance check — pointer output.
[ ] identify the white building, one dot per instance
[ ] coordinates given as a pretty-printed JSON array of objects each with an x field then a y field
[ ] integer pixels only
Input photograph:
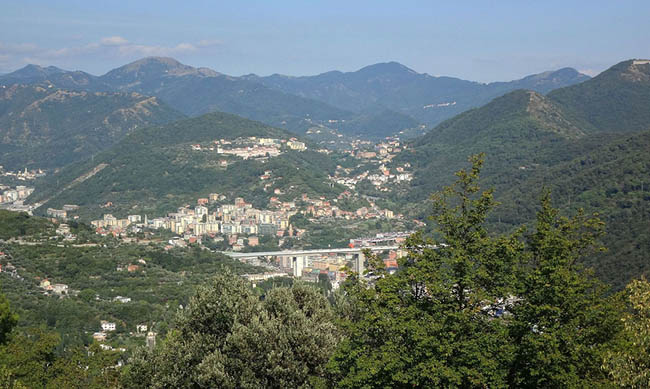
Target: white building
[{"x": 107, "y": 326}]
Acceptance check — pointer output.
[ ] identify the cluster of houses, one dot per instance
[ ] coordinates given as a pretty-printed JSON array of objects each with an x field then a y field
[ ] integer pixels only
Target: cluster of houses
[
  {"x": 58, "y": 289},
  {"x": 8, "y": 268},
  {"x": 11, "y": 195},
  {"x": 383, "y": 178},
  {"x": 237, "y": 219},
  {"x": 23, "y": 175},
  {"x": 108, "y": 326},
  {"x": 251, "y": 147},
  {"x": 227, "y": 219},
  {"x": 193, "y": 222}
]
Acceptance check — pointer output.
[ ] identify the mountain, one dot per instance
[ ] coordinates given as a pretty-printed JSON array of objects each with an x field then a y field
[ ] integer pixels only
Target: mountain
[
  {"x": 154, "y": 170},
  {"x": 524, "y": 131},
  {"x": 617, "y": 100},
  {"x": 192, "y": 91},
  {"x": 195, "y": 91},
  {"x": 46, "y": 127},
  {"x": 147, "y": 71},
  {"x": 378, "y": 100},
  {"x": 64, "y": 79},
  {"x": 520, "y": 132},
  {"x": 544, "y": 82},
  {"x": 588, "y": 143},
  {"x": 394, "y": 86}
]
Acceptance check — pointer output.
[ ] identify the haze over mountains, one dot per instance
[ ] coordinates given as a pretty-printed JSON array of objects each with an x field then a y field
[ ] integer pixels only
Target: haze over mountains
[{"x": 349, "y": 102}]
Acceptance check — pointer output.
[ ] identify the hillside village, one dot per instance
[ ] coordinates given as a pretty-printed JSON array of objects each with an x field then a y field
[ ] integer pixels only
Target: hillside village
[{"x": 251, "y": 147}]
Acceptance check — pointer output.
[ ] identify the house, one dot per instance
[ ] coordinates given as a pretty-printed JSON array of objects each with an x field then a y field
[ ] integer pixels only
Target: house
[
  {"x": 132, "y": 268},
  {"x": 107, "y": 326},
  {"x": 63, "y": 229},
  {"x": 140, "y": 328},
  {"x": 60, "y": 289},
  {"x": 99, "y": 336},
  {"x": 57, "y": 213},
  {"x": 253, "y": 241},
  {"x": 122, "y": 300}
]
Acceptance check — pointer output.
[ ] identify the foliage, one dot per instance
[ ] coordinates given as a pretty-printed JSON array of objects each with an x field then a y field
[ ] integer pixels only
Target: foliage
[
  {"x": 31, "y": 359},
  {"x": 562, "y": 322},
  {"x": 228, "y": 338},
  {"x": 20, "y": 225},
  {"x": 473, "y": 309},
  {"x": 629, "y": 366},
  {"x": 8, "y": 319},
  {"x": 424, "y": 326}
]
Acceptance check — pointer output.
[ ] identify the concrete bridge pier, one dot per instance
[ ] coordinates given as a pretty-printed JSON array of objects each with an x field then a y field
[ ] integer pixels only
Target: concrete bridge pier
[
  {"x": 359, "y": 263},
  {"x": 297, "y": 264}
]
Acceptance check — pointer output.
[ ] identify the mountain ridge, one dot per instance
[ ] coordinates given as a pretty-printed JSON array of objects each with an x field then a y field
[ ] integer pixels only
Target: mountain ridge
[
  {"x": 45, "y": 127},
  {"x": 299, "y": 103}
]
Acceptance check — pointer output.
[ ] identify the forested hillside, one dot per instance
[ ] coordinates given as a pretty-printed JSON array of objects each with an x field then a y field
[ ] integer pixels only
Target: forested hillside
[
  {"x": 560, "y": 142},
  {"x": 613, "y": 181},
  {"x": 156, "y": 170},
  {"x": 618, "y": 100},
  {"x": 45, "y": 127}
]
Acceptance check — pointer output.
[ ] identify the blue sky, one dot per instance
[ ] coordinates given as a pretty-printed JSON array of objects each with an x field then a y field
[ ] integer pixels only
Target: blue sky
[{"x": 476, "y": 40}]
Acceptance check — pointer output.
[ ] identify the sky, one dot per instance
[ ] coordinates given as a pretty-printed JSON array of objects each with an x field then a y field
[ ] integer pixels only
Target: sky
[{"x": 475, "y": 40}]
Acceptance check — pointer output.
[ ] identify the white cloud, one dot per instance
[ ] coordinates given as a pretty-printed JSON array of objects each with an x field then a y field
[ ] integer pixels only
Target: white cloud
[
  {"x": 114, "y": 41},
  {"x": 208, "y": 43},
  {"x": 160, "y": 51}
]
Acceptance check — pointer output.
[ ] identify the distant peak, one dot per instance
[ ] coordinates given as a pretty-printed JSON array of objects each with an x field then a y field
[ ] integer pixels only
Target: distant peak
[
  {"x": 387, "y": 67},
  {"x": 162, "y": 66},
  {"x": 165, "y": 60},
  {"x": 33, "y": 70}
]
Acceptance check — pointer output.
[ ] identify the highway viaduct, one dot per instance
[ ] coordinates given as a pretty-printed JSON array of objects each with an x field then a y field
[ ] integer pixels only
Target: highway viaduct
[{"x": 299, "y": 257}]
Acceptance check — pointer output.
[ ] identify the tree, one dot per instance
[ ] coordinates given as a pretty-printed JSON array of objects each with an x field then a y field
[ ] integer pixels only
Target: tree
[
  {"x": 431, "y": 324},
  {"x": 29, "y": 356},
  {"x": 8, "y": 319},
  {"x": 228, "y": 338},
  {"x": 470, "y": 308},
  {"x": 629, "y": 366},
  {"x": 563, "y": 322}
]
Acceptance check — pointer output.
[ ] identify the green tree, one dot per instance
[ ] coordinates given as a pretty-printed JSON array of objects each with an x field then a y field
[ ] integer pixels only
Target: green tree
[
  {"x": 8, "y": 319},
  {"x": 563, "y": 322},
  {"x": 430, "y": 324},
  {"x": 228, "y": 338},
  {"x": 29, "y": 356},
  {"x": 629, "y": 366}
]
